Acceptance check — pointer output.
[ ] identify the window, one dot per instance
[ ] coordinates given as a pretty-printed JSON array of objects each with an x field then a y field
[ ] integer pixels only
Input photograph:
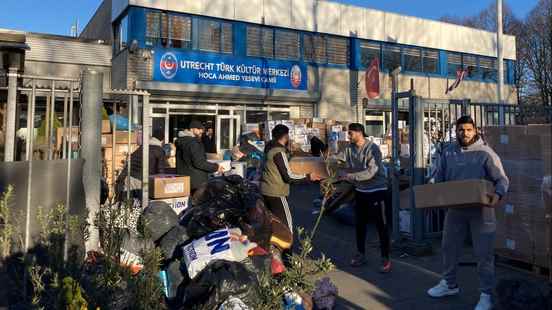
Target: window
[
  {"x": 391, "y": 57},
  {"x": 180, "y": 31},
  {"x": 369, "y": 51},
  {"x": 153, "y": 28},
  {"x": 470, "y": 64},
  {"x": 314, "y": 48},
  {"x": 260, "y": 42},
  {"x": 215, "y": 36},
  {"x": 412, "y": 59},
  {"x": 454, "y": 63},
  {"x": 121, "y": 35},
  {"x": 430, "y": 61},
  {"x": 337, "y": 50},
  {"x": 488, "y": 68},
  {"x": 287, "y": 45}
]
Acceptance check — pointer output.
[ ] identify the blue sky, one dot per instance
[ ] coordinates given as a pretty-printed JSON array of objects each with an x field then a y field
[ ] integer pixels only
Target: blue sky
[{"x": 57, "y": 16}]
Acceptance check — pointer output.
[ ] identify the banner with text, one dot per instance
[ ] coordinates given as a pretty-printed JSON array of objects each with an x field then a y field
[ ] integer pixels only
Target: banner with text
[{"x": 216, "y": 69}]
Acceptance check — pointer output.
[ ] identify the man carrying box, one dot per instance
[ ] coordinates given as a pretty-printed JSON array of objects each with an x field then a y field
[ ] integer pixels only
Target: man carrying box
[
  {"x": 364, "y": 169},
  {"x": 277, "y": 176},
  {"x": 191, "y": 159},
  {"x": 470, "y": 158}
]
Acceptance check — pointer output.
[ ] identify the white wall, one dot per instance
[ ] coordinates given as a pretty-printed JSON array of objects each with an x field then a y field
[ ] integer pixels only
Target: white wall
[{"x": 340, "y": 19}]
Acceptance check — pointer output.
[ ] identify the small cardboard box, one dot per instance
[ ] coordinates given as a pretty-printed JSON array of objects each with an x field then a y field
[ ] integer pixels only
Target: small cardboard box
[
  {"x": 122, "y": 137},
  {"x": 306, "y": 165},
  {"x": 60, "y": 135},
  {"x": 107, "y": 140},
  {"x": 164, "y": 186},
  {"x": 454, "y": 194},
  {"x": 106, "y": 126},
  {"x": 178, "y": 205}
]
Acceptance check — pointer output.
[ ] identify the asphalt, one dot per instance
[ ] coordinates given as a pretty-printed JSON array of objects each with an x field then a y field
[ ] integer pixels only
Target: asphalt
[{"x": 405, "y": 287}]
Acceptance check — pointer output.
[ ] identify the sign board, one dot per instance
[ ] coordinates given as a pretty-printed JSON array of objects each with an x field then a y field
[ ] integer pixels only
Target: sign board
[{"x": 192, "y": 67}]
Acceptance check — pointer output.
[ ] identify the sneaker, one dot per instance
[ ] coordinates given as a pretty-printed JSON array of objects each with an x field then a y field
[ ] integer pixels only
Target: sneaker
[
  {"x": 485, "y": 302},
  {"x": 359, "y": 260},
  {"x": 442, "y": 289},
  {"x": 386, "y": 266}
]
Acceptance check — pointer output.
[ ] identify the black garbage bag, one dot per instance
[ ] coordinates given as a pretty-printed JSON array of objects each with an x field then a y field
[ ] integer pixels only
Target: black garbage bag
[
  {"x": 170, "y": 243},
  {"x": 219, "y": 281},
  {"x": 517, "y": 294},
  {"x": 229, "y": 201},
  {"x": 174, "y": 278},
  {"x": 157, "y": 219}
]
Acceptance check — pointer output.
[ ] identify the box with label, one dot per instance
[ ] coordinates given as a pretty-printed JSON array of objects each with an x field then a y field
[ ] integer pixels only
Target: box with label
[
  {"x": 178, "y": 205},
  {"x": 225, "y": 164},
  {"x": 164, "y": 186},
  {"x": 306, "y": 165},
  {"x": 454, "y": 194},
  {"x": 106, "y": 126}
]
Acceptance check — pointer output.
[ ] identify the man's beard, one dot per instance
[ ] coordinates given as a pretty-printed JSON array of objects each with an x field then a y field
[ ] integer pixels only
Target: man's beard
[{"x": 470, "y": 142}]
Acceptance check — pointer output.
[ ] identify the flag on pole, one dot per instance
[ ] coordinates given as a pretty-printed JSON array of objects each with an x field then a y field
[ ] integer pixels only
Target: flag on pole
[
  {"x": 460, "y": 75},
  {"x": 372, "y": 80}
]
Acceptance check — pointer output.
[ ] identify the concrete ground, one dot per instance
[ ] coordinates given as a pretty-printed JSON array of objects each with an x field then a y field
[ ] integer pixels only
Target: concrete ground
[{"x": 404, "y": 288}]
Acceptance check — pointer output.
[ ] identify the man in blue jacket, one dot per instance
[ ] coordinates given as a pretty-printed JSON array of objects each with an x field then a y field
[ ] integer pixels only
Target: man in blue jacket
[{"x": 470, "y": 158}]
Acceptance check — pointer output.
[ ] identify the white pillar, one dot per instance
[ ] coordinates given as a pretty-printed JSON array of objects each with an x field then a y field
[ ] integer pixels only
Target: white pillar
[
  {"x": 499, "y": 50},
  {"x": 9, "y": 149}
]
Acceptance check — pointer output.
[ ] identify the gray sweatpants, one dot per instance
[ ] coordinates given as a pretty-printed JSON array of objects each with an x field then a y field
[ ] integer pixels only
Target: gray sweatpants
[{"x": 481, "y": 222}]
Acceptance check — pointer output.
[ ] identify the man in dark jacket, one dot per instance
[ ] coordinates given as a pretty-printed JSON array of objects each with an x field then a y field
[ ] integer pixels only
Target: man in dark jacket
[
  {"x": 157, "y": 165},
  {"x": 318, "y": 148},
  {"x": 191, "y": 159},
  {"x": 208, "y": 140}
]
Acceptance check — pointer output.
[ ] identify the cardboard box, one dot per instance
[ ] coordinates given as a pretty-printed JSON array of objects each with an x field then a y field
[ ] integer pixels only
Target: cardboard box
[
  {"x": 122, "y": 137},
  {"x": 164, "y": 186},
  {"x": 178, "y": 205},
  {"x": 106, "y": 126},
  {"x": 107, "y": 140},
  {"x": 59, "y": 136},
  {"x": 515, "y": 242},
  {"x": 305, "y": 165},
  {"x": 455, "y": 194},
  {"x": 121, "y": 150},
  {"x": 214, "y": 156}
]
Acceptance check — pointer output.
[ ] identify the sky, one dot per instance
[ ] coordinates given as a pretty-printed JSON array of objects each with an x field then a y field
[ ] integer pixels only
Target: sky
[{"x": 57, "y": 16}]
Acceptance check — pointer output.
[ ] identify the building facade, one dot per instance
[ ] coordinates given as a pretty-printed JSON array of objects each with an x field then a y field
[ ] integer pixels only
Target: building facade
[{"x": 274, "y": 59}]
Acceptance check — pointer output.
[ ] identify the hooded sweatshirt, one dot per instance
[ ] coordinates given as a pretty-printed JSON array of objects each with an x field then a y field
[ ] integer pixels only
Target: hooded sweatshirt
[
  {"x": 365, "y": 166},
  {"x": 476, "y": 161},
  {"x": 191, "y": 159}
]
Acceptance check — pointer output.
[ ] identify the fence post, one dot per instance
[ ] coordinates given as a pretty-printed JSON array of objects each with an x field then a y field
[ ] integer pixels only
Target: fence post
[
  {"x": 92, "y": 93},
  {"x": 395, "y": 202},
  {"x": 11, "y": 114},
  {"x": 416, "y": 162}
]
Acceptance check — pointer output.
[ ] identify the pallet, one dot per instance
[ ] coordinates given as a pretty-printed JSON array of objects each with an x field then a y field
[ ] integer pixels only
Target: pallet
[{"x": 523, "y": 266}]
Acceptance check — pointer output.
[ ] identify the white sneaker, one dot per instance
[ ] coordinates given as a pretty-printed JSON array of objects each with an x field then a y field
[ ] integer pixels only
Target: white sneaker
[
  {"x": 485, "y": 302},
  {"x": 442, "y": 289}
]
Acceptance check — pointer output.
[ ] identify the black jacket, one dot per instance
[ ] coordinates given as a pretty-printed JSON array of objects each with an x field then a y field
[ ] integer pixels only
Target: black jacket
[
  {"x": 209, "y": 144},
  {"x": 191, "y": 160},
  {"x": 317, "y": 146}
]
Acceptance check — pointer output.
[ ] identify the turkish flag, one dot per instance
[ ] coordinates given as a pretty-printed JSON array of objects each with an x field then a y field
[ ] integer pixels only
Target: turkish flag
[{"x": 372, "y": 80}]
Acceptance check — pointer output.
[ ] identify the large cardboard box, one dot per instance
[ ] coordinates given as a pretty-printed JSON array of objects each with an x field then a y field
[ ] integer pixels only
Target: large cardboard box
[
  {"x": 178, "y": 205},
  {"x": 163, "y": 186},
  {"x": 305, "y": 165},
  {"x": 515, "y": 242},
  {"x": 455, "y": 194},
  {"x": 60, "y": 137},
  {"x": 106, "y": 126},
  {"x": 122, "y": 137}
]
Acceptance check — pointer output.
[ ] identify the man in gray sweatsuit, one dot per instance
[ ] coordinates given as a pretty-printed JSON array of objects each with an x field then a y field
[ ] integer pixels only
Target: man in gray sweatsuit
[{"x": 470, "y": 158}]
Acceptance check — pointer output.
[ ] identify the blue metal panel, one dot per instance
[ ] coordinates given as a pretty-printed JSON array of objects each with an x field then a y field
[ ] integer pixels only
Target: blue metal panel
[
  {"x": 355, "y": 54},
  {"x": 240, "y": 39},
  {"x": 443, "y": 64},
  {"x": 137, "y": 25}
]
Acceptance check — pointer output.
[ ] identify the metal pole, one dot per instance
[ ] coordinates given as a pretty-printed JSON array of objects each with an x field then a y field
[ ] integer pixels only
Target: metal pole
[
  {"x": 129, "y": 135},
  {"x": 52, "y": 119},
  {"x": 11, "y": 109},
  {"x": 146, "y": 128},
  {"x": 64, "y": 134},
  {"x": 92, "y": 91},
  {"x": 395, "y": 202},
  {"x": 500, "y": 57},
  {"x": 30, "y": 138},
  {"x": 417, "y": 162},
  {"x": 67, "y": 132},
  {"x": 113, "y": 146}
]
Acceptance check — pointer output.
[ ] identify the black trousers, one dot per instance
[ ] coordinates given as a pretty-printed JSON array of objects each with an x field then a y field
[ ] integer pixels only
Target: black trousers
[
  {"x": 280, "y": 208},
  {"x": 371, "y": 207}
]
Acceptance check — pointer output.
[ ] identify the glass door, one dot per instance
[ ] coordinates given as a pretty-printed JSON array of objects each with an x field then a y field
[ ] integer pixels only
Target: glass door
[{"x": 227, "y": 132}]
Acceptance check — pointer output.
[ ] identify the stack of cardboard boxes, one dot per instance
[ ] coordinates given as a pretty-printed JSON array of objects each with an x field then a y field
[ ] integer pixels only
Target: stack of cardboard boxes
[
  {"x": 172, "y": 189},
  {"x": 113, "y": 162},
  {"x": 523, "y": 224}
]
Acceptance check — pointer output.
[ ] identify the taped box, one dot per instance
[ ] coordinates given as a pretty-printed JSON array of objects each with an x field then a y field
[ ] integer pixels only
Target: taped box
[
  {"x": 164, "y": 186},
  {"x": 454, "y": 194},
  {"x": 178, "y": 205},
  {"x": 306, "y": 165}
]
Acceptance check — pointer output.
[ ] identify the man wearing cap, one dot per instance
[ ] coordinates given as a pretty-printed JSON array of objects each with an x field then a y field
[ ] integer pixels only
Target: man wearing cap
[
  {"x": 191, "y": 159},
  {"x": 277, "y": 176},
  {"x": 470, "y": 158},
  {"x": 364, "y": 169}
]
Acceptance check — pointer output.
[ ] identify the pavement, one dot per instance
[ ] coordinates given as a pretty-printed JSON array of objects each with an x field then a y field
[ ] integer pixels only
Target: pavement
[{"x": 405, "y": 287}]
